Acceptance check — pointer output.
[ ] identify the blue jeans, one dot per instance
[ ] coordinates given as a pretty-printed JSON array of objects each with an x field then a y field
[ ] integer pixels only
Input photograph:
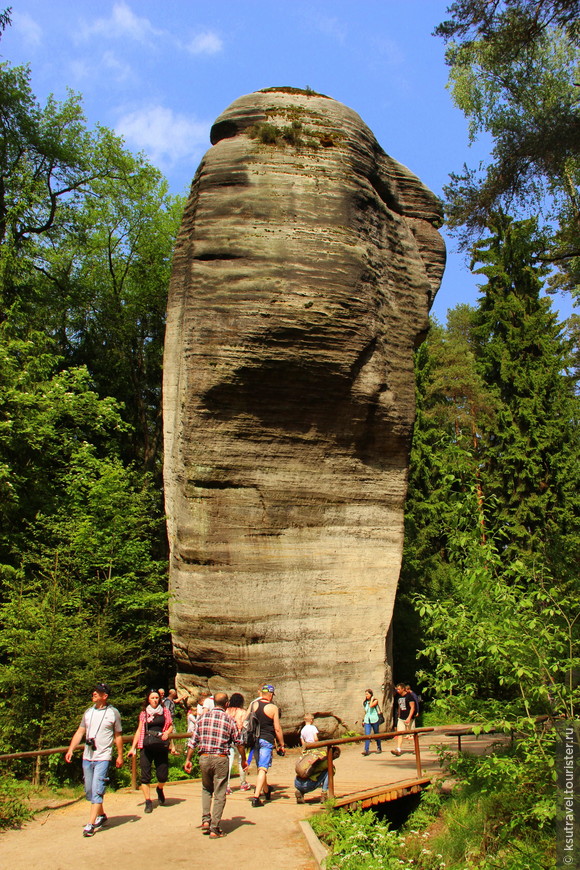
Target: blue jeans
[
  {"x": 95, "y": 777},
  {"x": 306, "y": 785},
  {"x": 264, "y": 754},
  {"x": 372, "y": 726}
]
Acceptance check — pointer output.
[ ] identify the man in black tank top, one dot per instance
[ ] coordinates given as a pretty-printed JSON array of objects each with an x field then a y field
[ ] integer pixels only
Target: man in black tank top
[{"x": 270, "y": 731}]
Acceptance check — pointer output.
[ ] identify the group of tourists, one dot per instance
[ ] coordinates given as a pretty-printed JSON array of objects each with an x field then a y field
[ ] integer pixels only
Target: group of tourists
[{"x": 220, "y": 729}]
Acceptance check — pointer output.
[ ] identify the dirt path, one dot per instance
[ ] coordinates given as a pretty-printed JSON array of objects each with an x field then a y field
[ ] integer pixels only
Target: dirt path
[{"x": 268, "y": 837}]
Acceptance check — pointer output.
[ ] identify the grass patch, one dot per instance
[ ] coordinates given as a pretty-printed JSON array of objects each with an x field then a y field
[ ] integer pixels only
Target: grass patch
[{"x": 286, "y": 89}]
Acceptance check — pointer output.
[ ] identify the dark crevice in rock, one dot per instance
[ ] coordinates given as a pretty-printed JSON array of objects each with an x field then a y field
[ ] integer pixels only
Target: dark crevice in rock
[
  {"x": 384, "y": 193},
  {"x": 221, "y": 255}
]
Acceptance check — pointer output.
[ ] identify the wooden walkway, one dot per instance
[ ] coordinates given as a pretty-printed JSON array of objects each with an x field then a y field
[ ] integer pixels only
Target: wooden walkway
[{"x": 372, "y": 797}]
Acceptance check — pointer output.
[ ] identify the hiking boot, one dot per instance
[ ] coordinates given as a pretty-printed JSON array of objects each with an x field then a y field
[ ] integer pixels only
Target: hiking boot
[
  {"x": 256, "y": 802},
  {"x": 100, "y": 821},
  {"x": 299, "y": 797},
  {"x": 148, "y": 806},
  {"x": 268, "y": 794},
  {"x": 160, "y": 795},
  {"x": 89, "y": 831}
]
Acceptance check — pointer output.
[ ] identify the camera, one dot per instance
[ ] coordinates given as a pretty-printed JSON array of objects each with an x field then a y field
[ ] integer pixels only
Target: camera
[{"x": 90, "y": 742}]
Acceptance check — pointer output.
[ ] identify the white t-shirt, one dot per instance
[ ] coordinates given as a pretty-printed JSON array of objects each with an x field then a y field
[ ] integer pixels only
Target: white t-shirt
[
  {"x": 309, "y": 733},
  {"x": 101, "y": 724}
]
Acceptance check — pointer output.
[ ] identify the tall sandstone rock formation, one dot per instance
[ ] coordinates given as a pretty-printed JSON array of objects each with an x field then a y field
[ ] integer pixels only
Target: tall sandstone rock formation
[{"x": 303, "y": 275}]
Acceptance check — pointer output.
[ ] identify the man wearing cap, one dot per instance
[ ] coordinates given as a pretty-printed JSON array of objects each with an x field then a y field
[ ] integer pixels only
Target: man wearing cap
[
  {"x": 268, "y": 716},
  {"x": 213, "y": 733},
  {"x": 101, "y": 724}
]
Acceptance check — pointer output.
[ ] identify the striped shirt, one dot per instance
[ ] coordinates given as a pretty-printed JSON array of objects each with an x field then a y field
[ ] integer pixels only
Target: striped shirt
[{"x": 214, "y": 732}]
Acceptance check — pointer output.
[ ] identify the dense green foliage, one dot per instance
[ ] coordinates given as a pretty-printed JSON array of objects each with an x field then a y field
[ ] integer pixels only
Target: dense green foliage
[
  {"x": 514, "y": 73},
  {"x": 86, "y": 234},
  {"x": 489, "y": 590}
]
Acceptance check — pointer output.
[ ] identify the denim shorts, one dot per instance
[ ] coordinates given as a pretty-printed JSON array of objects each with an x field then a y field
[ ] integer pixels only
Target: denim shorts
[
  {"x": 264, "y": 756},
  {"x": 95, "y": 776}
]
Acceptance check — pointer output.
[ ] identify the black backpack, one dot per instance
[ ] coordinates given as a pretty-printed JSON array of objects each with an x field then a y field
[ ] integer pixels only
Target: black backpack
[{"x": 250, "y": 732}]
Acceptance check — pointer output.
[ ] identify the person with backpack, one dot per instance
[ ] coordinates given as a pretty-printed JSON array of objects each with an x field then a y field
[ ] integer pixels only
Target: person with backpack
[
  {"x": 266, "y": 715},
  {"x": 312, "y": 772},
  {"x": 406, "y": 713}
]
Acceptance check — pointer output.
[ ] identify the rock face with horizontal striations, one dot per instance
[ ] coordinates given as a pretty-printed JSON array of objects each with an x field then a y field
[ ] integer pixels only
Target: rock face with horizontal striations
[{"x": 303, "y": 275}]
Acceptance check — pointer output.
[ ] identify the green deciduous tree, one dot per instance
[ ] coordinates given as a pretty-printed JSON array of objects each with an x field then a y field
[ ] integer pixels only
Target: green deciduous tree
[
  {"x": 86, "y": 233},
  {"x": 514, "y": 73}
]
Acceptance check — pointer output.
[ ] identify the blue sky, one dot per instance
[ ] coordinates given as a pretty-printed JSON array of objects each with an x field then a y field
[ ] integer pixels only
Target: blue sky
[{"x": 160, "y": 71}]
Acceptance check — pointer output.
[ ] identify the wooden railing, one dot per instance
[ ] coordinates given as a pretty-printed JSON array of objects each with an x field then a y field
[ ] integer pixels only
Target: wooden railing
[
  {"x": 60, "y": 750},
  {"x": 415, "y": 733}
]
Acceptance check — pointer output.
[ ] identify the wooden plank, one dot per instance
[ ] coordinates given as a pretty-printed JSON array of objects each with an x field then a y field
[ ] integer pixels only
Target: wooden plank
[{"x": 382, "y": 794}]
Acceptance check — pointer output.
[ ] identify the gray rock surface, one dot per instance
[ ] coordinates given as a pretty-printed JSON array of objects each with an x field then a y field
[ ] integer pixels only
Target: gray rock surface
[{"x": 303, "y": 275}]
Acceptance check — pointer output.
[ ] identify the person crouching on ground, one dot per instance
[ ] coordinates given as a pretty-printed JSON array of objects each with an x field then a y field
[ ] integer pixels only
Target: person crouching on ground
[
  {"x": 317, "y": 778},
  {"x": 213, "y": 734},
  {"x": 152, "y": 738},
  {"x": 102, "y": 725}
]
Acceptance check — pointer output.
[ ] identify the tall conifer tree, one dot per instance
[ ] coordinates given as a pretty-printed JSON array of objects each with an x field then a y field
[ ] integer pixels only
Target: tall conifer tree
[{"x": 531, "y": 450}]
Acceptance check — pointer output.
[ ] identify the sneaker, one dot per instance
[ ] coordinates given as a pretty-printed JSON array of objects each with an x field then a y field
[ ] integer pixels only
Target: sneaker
[
  {"x": 299, "y": 797},
  {"x": 100, "y": 821},
  {"x": 245, "y": 786},
  {"x": 256, "y": 802},
  {"x": 396, "y": 752},
  {"x": 148, "y": 806},
  {"x": 89, "y": 831},
  {"x": 379, "y": 751},
  {"x": 160, "y": 795},
  {"x": 365, "y": 753},
  {"x": 228, "y": 790}
]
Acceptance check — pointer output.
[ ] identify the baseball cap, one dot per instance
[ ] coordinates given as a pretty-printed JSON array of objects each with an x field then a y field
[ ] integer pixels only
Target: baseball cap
[
  {"x": 267, "y": 687},
  {"x": 102, "y": 687}
]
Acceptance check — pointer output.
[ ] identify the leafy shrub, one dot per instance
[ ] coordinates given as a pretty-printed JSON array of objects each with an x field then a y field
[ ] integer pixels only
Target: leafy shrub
[
  {"x": 14, "y": 808},
  {"x": 358, "y": 841}
]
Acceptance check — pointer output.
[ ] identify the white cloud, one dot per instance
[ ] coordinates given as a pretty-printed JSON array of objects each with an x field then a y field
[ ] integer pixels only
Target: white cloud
[
  {"x": 163, "y": 135},
  {"x": 206, "y": 42},
  {"x": 27, "y": 27},
  {"x": 122, "y": 71},
  {"x": 123, "y": 23}
]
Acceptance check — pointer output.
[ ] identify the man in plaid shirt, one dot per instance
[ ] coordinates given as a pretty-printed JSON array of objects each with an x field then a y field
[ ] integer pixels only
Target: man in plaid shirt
[{"x": 213, "y": 733}]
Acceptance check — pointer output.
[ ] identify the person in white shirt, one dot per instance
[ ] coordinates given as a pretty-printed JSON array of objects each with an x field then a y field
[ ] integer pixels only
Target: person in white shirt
[
  {"x": 309, "y": 733},
  {"x": 101, "y": 724}
]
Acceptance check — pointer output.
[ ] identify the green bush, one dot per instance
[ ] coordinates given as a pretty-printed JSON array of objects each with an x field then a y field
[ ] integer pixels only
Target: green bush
[{"x": 14, "y": 808}]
